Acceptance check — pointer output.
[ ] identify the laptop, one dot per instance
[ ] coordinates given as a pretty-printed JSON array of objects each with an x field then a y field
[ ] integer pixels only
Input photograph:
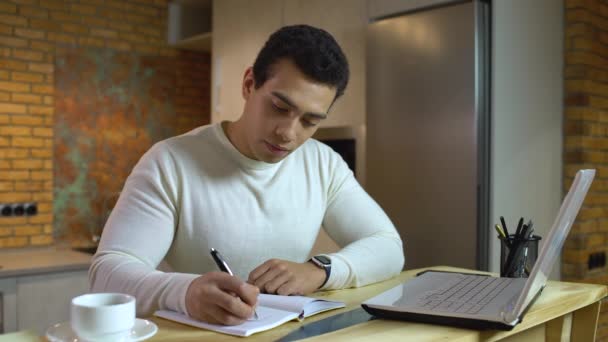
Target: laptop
[{"x": 481, "y": 301}]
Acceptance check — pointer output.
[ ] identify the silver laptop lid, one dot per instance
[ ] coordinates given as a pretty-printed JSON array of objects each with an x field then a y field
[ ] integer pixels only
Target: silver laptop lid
[{"x": 553, "y": 242}]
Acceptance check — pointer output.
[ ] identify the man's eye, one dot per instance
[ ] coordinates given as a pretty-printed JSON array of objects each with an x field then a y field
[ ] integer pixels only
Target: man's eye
[
  {"x": 309, "y": 123},
  {"x": 280, "y": 109}
]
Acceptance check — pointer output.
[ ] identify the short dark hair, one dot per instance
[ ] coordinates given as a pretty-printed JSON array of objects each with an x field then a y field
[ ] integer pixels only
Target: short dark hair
[{"x": 314, "y": 51}]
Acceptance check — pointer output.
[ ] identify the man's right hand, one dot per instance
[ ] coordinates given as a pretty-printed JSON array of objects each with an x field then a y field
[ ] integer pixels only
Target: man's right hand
[{"x": 219, "y": 298}]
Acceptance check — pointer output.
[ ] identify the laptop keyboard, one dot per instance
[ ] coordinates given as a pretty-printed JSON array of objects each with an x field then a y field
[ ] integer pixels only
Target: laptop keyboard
[{"x": 466, "y": 294}]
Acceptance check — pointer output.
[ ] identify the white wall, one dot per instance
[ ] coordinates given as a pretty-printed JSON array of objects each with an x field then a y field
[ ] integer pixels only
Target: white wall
[{"x": 527, "y": 100}]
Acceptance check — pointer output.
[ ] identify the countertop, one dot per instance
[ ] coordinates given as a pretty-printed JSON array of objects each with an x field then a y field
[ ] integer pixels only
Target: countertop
[{"x": 31, "y": 261}]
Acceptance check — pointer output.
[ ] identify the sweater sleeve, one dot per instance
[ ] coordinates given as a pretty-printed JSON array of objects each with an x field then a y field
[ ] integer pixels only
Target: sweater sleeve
[
  {"x": 372, "y": 249},
  {"x": 138, "y": 234}
]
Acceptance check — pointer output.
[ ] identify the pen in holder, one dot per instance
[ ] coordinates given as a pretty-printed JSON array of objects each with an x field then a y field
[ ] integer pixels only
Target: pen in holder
[{"x": 518, "y": 255}]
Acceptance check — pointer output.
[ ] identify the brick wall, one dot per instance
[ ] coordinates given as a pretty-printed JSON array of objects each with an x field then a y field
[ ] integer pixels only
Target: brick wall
[
  {"x": 586, "y": 139},
  {"x": 33, "y": 33}
]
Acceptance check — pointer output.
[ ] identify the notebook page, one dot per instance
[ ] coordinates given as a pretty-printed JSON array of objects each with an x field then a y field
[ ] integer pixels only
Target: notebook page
[
  {"x": 268, "y": 318},
  {"x": 304, "y": 306}
]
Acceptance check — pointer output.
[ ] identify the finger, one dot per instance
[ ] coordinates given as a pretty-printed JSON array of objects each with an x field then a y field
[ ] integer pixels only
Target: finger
[
  {"x": 233, "y": 305},
  {"x": 274, "y": 284},
  {"x": 288, "y": 288},
  {"x": 258, "y": 271},
  {"x": 218, "y": 315},
  {"x": 234, "y": 286},
  {"x": 271, "y": 274}
]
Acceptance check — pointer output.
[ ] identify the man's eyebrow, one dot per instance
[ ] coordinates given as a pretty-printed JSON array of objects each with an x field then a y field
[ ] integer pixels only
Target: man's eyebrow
[{"x": 291, "y": 104}]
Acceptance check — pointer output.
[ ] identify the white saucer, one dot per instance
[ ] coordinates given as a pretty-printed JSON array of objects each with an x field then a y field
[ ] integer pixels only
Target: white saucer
[{"x": 62, "y": 332}]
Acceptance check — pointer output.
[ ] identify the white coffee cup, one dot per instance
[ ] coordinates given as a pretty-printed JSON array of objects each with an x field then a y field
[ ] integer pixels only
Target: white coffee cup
[{"x": 103, "y": 316}]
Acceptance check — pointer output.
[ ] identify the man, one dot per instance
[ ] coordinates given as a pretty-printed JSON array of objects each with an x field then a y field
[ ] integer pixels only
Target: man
[{"x": 258, "y": 190}]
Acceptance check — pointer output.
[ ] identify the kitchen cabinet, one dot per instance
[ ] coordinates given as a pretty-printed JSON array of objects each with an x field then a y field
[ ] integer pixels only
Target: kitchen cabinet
[
  {"x": 44, "y": 300},
  {"x": 37, "y": 286},
  {"x": 240, "y": 29}
]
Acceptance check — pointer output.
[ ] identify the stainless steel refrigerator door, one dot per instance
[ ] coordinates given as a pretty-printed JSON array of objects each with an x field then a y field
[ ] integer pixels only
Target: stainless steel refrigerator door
[{"x": 422, "y": 153}]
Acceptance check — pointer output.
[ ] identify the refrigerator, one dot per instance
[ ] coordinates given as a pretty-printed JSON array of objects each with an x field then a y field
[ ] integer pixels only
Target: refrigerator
[{"x": 428, "y": 127}]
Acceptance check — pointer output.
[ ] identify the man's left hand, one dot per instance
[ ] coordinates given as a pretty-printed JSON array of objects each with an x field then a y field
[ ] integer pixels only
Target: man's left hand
[{"x": 283, "y": 277}]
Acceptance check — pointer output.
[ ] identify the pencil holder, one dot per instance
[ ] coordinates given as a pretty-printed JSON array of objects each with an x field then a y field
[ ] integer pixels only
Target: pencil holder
[{"x": 517, "y": 256}]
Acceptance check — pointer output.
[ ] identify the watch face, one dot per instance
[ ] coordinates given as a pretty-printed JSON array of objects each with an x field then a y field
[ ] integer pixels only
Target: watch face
[{"x": 323, "y": 259}]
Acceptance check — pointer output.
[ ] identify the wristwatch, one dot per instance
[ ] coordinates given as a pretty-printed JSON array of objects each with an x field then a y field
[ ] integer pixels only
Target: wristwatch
[{"x": 323, "y": 262}]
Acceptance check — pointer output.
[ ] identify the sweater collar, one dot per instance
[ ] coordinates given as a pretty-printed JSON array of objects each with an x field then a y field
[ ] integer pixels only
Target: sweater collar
[{"x": 241, "y": 159}]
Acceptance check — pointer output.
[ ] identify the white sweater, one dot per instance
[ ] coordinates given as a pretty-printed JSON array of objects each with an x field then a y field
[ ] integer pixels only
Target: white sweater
[{"x": 196, "y": 191}]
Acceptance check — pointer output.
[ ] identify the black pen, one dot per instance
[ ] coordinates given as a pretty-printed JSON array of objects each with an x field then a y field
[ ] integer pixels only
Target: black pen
[
  {"x": 223, "y": 266},
  {"x": 519, "y": 226},
  {"x": 504, "y": 226}
]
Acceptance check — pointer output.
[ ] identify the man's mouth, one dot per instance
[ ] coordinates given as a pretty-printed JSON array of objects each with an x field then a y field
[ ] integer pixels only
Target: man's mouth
[{"x": 276, "y": 149}]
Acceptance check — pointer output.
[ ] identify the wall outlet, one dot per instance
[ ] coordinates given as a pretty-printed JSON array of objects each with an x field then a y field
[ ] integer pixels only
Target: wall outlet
[
  {"x": 596, "y": 260},
  {"x": 31, "y": 209},
  {"x": 18, "y": 209},
  {"x": 6, "y": 210}
]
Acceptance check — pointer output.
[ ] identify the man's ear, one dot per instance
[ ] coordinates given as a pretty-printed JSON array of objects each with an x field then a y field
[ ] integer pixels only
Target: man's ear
[{"x": 248, "y": 83}]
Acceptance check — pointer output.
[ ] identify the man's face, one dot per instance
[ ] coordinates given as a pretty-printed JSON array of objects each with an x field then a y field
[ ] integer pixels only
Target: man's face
[{"x": 283, "y": 113}]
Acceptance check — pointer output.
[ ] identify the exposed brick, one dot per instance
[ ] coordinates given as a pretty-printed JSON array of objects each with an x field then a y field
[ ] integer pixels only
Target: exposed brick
[
  {"x": 27, "y": 120},
  {"x": 5, "y": 164},
  {"x": 26, "y": 98},
  {"x": 83, "y": 9},
  {"x": 8, "y": 8},
  {"x": 33, "y": 12},
  {"x": 48, "y": 100},
  {"x": 30, "y": 164},
  {"x": 14, "y": 175},
  {"x": 41, "y": 218},
  {"x": 29, "y": 55},
  {"x": 104, "y": 33},
  {"x": 43, "y": 196},
  {"x": 42, "y": 110},
  {"x": 12, "y": 41},
  {"x": 20, "y": 76},
  {"x": 30, "y": 34},
  {"x": 12, "y": 221},
  {"x": 15, "y": 131},
  {"x": 12, "y": 153},
  {"x": 62, "y": 38},
  {"x": 29, "y": 186},
  {"x": 47, "y": 229},
  {"x": 6, "y": 30},
  {"x": 4, "y": 75},
  {"x": 12, "y": 108},
  {"x": 41, "y": 240},
  {"x": 45, "y": 25},
  {"x": 8, "y": 197},
  {"x": 12, "y": 20},
  {"x": 27, "y": 142},
  {"x": 28, "y": 230},
  {"x": 41, "y": 175},
  {"x": 41, "y": 153},
  {"x": 12, "y": 64},
  {"x": 42, "y": 46},
  {"x": 55, "y": 4},
  {"x": 43, "y": 132},
  {"x": 6, "y": 231},
  {"x": 90, "y": 41},
  {"x": 74, "y": 28},
  {"x": 11, "y": 242},
  {"x": 42, "y": 89},
  {"x": 45, "y": 207},
  {"x": 118, "y": 45}
]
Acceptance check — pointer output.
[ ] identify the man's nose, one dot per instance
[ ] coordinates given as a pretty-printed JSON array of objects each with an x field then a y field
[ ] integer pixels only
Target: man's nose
[{"x": 286, "y": 129}]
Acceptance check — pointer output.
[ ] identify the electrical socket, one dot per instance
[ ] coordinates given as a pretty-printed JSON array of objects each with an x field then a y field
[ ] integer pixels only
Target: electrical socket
[
  {"x": 18, "y": 209},
  {"x": 31, "y": 209},
  {"x": 6, "y": 210}
]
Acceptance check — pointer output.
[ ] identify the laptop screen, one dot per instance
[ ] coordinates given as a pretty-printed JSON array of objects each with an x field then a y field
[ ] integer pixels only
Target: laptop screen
[{"x": 554, "y": 241}]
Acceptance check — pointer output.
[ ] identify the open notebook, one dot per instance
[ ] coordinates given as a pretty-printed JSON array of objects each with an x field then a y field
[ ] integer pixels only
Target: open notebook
[{"x": 273, "y": 310}]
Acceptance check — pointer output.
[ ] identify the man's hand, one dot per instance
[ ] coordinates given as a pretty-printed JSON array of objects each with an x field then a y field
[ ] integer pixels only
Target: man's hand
[
  {"x": 219, "y": 298},
  {"x": 287, "y": 278}
]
